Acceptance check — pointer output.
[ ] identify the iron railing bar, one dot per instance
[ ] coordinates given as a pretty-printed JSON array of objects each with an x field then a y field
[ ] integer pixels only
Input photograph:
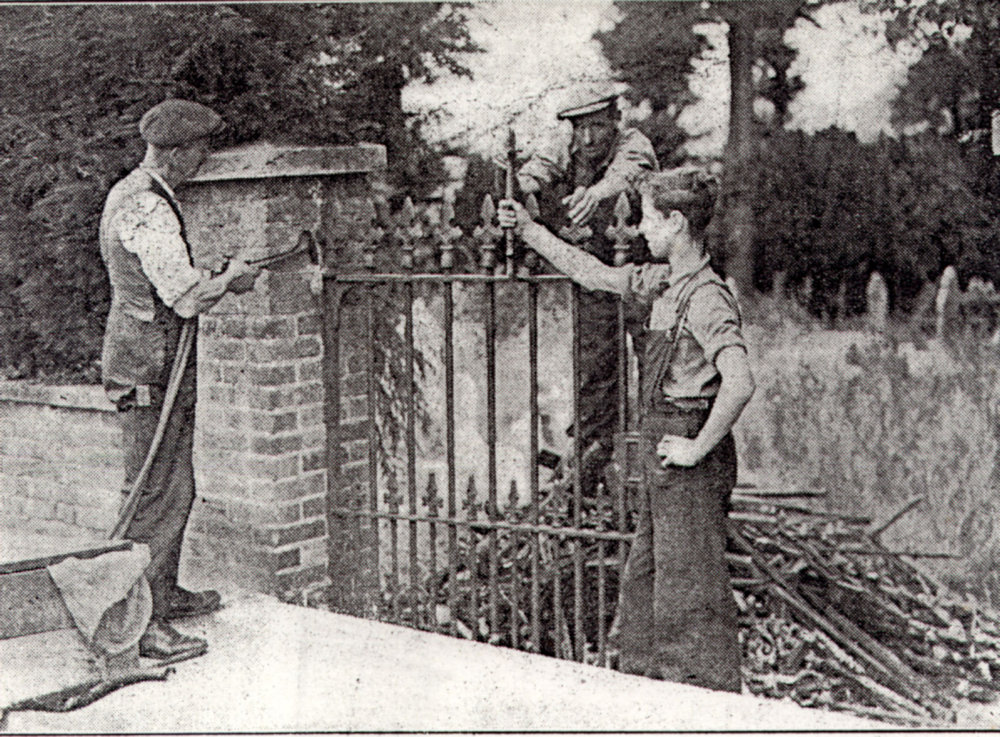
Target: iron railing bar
[
  {"x": 536, "y": 613},
  {"x": 559, "y": 615},
  {"x": 485, "y": 525},
  {"x": 602, "y": 587},
  {"x": 473, "y": 561},
  {"x": 578, "y": 471},
  {"x": 443, "y": 278},
  {"x": 411, "y": 435},
  {"x": 372, "y": 428},
  {"x": 491, "y": 444},
  {"x": 449, "y": 433}
]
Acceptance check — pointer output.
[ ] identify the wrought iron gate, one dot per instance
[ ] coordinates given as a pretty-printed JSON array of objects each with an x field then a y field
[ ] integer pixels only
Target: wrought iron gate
[{"x": 540, "y": 576}]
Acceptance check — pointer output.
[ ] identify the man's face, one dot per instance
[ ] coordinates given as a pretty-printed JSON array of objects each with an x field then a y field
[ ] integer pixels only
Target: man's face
[
  {"x": 656, "y": 228},
  {"x": 594, "y": 134},
  {"x": 188, "y": 159}
]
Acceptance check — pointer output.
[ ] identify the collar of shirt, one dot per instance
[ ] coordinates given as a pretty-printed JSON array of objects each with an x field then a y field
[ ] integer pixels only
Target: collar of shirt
[
  {"x": 163, "y": 183},
  {"x": 679, "y": 278}
]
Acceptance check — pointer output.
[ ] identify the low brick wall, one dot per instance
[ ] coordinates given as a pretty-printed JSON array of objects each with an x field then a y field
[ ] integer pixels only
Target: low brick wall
[{"x": 60, "y": 460}]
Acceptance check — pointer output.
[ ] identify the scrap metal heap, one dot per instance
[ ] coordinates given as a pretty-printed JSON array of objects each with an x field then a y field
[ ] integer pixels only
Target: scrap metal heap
[{"x": 832, "y": 618}]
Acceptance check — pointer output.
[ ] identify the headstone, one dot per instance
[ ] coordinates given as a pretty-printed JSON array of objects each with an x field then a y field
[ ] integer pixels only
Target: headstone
[{"x": 877, "y": 298}]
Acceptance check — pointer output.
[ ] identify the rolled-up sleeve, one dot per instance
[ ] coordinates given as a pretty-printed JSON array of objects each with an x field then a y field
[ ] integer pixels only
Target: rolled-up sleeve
[
  {"x": 150, "y": 229},
  {"x": 634, "y": 158},
  {"x": 646, "y": 282},
  {"x": 714, "y": 321},
  {"x": 544, "y": 166}
]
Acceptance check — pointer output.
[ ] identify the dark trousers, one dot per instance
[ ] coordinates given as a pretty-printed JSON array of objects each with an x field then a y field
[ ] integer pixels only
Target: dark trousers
[
  {"x": 168, "y": 494},
  {"x": 677, "y": 616}
]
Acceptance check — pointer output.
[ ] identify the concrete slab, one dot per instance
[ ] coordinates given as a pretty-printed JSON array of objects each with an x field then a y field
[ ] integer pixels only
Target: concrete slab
[{"x": 276, "y": 667}]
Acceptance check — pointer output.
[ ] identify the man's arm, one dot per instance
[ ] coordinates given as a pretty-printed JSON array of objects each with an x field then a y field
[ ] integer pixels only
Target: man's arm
[
  {"x": 735, "y": 391},
  {"x": 238, "y": 278},
  {"x": 543, "y": 168},
  {"x": 580, "y": 266},
  {"x": 634, "y": 159}
]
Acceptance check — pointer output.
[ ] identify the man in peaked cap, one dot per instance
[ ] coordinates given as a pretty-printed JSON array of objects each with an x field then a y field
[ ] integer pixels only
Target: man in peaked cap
[
  {"x": 577, "y": 190},
  {"x": 154, "y": 289}
]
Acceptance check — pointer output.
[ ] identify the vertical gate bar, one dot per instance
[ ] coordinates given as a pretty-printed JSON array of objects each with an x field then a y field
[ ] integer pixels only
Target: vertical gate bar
[
  {"x": 473, "y": 561},
  {"x": 491, "y": 442},
  {"x": 622, "y": 234},
  {"x": 557, "y": 605},
  {"x": 394, "y": 541},
  {"x": 432, "y": 512},
  {"x": 602, "y": 588},
  {"x": 515, "y": 588},
  {"x": 330, "y": 317},
  {"x": 372, "y": 427},
  {"x": 409, "y": 403},
  {"x": 447, "y": 263},
  {"x": 533, "y": 458},
  {"x": 575, "y": 545}
]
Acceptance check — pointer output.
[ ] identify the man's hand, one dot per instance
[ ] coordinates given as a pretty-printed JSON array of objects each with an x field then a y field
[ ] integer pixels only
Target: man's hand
[
  {"x": 513, "y": 216},
  {"x": 678, "y": 451},
  {"x": 581, "y": 204},
  {"x": 241, "y": 275}
]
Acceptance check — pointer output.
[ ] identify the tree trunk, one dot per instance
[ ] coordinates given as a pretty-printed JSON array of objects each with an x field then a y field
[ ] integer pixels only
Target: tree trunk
[{"x": 738, "y": 214}]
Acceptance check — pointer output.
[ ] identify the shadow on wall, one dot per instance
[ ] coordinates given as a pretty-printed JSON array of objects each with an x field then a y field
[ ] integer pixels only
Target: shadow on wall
[{"x": 875, "y": 425}]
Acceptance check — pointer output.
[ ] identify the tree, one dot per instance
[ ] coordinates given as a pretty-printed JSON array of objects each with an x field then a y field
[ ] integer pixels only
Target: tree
[
  {"x": 76, "y": 79},
  {"x": 651, "y": 48}
]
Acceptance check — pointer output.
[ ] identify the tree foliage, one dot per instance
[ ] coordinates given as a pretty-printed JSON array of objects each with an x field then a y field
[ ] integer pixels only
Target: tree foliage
[
  {"x": 830, "y": 210},
  {"x": 76, "y": 79}
]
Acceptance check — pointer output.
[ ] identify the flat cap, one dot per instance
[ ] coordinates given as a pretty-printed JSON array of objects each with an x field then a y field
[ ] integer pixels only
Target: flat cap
[
  {"x": 587, "y": 99},
  {"x": 177, "y": 122},
  {"x": 683, "y": 185}
]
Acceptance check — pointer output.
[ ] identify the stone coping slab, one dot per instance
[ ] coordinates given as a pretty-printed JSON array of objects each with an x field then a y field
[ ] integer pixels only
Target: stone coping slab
[
  {"x": 266, "y": 160},
  {"x": 74, "y": 396}
]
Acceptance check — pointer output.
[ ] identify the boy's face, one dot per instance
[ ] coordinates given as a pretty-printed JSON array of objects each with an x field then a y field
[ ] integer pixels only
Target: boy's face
[{"x": 657, "y": 229}]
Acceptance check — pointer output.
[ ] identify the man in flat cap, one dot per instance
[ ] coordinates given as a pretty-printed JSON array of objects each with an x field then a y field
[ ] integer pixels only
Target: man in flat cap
[
  {"x": 154, "y": 289},
  {"x": 577, "y": 190}
]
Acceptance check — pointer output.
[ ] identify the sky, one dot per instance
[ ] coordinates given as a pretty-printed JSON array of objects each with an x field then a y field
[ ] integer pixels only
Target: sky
[{"x": 536, "y": 51}]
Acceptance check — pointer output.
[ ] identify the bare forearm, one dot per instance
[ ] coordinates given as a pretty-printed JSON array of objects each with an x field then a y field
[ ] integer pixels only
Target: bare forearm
[
  {"x": 580, "y": 266},
  {"x": 203, "y": 295},
  {"x": 735, "y": 391}
]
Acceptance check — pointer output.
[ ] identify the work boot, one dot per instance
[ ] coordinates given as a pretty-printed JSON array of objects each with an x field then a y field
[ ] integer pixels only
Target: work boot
[
  {"x": 184, "y": 603},
  {"x": 161, "y": 641}
]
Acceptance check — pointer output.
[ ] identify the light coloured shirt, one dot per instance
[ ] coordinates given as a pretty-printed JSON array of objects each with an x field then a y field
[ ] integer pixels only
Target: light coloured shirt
[
  {"x": 148, "y": 227},
  {"x": 632, "y": 158},
  {"x": 712, "y": 323}
]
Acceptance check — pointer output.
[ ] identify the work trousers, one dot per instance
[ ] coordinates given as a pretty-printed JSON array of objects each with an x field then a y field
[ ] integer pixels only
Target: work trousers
[
  {"x": 168, "y": 494},
  {"x": 678, "y": 619}
]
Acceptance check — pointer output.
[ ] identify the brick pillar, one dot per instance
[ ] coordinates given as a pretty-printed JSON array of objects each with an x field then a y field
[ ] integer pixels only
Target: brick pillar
[{"x": 260, "y": 519}]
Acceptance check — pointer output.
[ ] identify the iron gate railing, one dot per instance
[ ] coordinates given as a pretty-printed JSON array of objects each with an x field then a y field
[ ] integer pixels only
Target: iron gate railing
[{"x": 540, "y": 576}]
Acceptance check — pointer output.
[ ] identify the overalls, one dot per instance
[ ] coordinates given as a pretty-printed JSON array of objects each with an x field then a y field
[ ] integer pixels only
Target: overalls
[{"x": 678, "y": 619}]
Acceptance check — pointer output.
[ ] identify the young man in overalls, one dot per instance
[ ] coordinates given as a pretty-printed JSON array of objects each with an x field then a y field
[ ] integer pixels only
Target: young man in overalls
[{"x": 678, "y": 617}]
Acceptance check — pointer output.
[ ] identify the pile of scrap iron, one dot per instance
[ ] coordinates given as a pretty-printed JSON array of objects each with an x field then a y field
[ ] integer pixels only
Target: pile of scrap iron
[{"x": 832, "y": 618}]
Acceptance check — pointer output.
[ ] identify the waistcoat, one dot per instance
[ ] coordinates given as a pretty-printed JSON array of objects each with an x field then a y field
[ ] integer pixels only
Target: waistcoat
[{"x": 142, "y": 332}]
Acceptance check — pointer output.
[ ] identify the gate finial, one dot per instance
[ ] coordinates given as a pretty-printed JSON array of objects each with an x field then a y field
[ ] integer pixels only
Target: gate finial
[
  {"x": 488, "y": 233},
  {"x": 620, "y": 232}
]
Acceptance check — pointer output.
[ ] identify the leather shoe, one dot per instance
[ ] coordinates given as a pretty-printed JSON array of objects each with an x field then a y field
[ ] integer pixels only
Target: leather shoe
[
  {"x": 184, "y": 603},
  {"x": 162, "y": 641}
]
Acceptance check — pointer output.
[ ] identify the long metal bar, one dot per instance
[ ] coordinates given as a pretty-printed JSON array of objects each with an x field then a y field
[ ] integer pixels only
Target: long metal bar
[
  {"x": 372, "y": 422},
  {"x": 473, "y": 553},
  {"x": 491, "y": 444},
  {"x": 393, "y": 517},
  {"x": 577, "y": 551},
  {"x": 432, "y": 505},
  {"x": 557, "y": 605},
  {"x": 409, "y": 404},
  {"x": 602, "y": 588},
  {"x": 484, "y": 525},
  {"x": 536, "y": 610},
  {"x": 387, "y": 278},
  {"x": 449, "y": 435},
  {"x": 515, "y": 593},
  {"x": 330, "y": 321}
]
